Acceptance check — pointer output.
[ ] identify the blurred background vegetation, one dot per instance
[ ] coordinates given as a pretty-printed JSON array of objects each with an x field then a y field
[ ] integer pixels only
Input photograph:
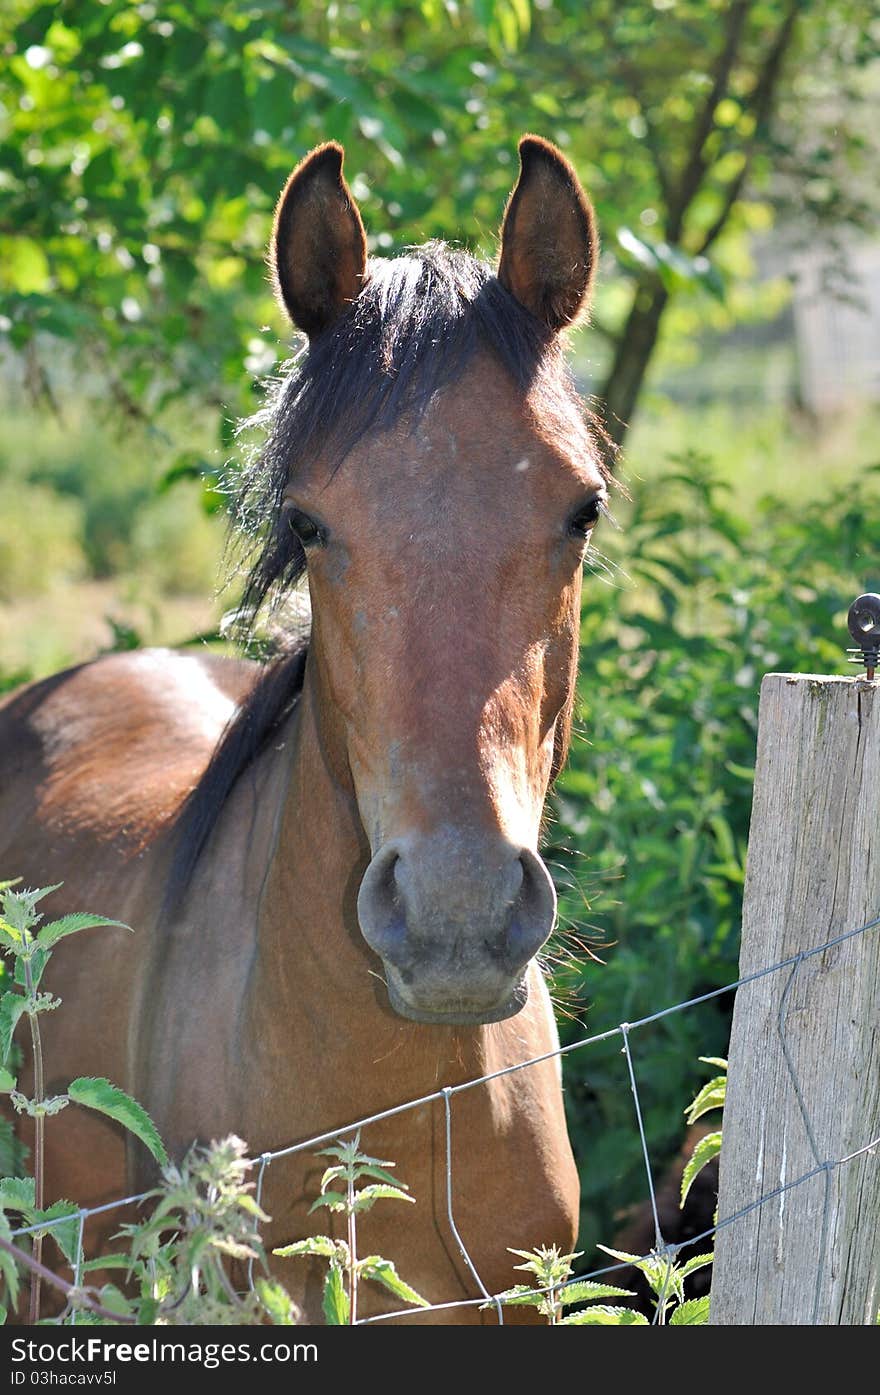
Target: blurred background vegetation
[{"x": 727, "y": 145}]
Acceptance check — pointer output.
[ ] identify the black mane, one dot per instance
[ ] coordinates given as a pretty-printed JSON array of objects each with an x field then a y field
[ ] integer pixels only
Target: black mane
[{"x": 411, "y": 331}]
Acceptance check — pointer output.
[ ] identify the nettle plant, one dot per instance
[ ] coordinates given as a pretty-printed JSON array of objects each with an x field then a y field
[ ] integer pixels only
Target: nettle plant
[
  {"x": 350, "y": 1186},
  {"x": 708, "y": 1098},
  {"x": 553, "y": 1289},
  {"x": 201, "y": 1214},
  {"x": 29, "y": 945}
]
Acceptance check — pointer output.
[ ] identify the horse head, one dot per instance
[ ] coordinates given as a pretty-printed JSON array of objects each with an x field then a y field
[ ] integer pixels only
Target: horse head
[{"x": 435, "y": 473}]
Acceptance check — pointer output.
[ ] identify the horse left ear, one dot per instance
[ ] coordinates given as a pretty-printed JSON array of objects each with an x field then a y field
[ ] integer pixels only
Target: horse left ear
[
  {"x": 318, "y": 252},
  {"x": 549, "y": 244}
]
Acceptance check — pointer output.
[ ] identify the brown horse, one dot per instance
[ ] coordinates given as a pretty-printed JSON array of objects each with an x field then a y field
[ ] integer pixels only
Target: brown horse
[{"x": 331, "y": 863}]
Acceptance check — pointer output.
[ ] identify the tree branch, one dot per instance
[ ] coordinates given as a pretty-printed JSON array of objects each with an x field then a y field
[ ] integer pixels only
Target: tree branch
[
  {"x": 761, "y": 103},
  {"x": 695, "y": 168}
]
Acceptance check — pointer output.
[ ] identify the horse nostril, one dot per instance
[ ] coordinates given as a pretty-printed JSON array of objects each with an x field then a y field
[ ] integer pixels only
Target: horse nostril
[
  {"x": 533, "y": 913},
  {"x": 380, "y": 912}
]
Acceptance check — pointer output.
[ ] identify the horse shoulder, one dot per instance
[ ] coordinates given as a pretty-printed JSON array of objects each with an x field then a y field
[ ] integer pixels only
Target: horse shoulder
[{"x": 110, "y": 750}]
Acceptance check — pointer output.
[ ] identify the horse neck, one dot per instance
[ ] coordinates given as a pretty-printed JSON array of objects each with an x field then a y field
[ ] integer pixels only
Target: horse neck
[{"x": 315, "y": 976}]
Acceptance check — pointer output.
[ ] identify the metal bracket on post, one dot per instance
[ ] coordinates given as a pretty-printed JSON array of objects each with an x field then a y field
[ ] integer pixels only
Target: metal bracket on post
[{"x": 863, "y": 621}]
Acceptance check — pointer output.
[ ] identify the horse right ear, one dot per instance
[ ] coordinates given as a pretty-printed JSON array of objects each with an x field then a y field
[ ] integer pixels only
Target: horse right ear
[
  {"x": 318, "y": 252},
  {"x": 549, "y": 247}
]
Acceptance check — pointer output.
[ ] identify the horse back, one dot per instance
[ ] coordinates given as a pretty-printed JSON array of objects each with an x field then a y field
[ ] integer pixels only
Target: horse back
[{"x": 102, "y": 756}]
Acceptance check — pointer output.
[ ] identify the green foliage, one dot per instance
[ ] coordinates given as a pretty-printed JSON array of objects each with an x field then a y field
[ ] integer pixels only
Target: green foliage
[
  {"x": 693, "y": 1312},
  {"x": 711, "y": 1096},
  {"x": 175, "y": 545},
  {"x": 57, "y": 930},
  {"x": 366, "y": 1180},
  {"x": 703, "y": 1153},
  {"x": 17, "y": 1194},
  {"x": 652, "y": 813},
  {"x": 31, "y": 948},
  {"x": 666, "y": 1278},
  {"x": 551, "y": 1293},
  {"x": 143, "y": 150},
  {"x": 116, "y": 1104},
  {"x": 203, "y": 1213},
  {"x": 39, "y": 540}
]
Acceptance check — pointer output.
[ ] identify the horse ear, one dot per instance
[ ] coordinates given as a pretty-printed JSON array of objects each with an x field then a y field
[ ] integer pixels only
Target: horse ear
[
  {"x": 549, "y": 244},
  {"x": 318, "y": 252}
]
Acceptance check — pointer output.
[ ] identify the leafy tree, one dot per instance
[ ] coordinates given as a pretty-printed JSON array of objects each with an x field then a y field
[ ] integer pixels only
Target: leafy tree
[{"x": 144, "y": 144}]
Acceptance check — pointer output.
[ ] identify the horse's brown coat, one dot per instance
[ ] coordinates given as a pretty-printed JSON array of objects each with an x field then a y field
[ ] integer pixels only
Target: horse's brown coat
[{"x": 438, "y": 686}]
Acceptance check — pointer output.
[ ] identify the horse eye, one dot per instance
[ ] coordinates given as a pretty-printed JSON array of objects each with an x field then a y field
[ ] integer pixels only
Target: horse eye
[
  {"x": 310, "y": 533},
  {"x": 581, "y": 522}
]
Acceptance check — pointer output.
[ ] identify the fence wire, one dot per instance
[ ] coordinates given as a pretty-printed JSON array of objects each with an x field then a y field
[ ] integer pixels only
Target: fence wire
[{"x": 663, "y": 1250}]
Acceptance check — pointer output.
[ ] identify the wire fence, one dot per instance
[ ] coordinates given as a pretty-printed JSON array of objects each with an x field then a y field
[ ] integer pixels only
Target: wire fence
[{"x": 446, "y": 1094}]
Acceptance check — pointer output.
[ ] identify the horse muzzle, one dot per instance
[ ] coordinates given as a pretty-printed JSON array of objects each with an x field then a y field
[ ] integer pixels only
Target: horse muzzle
[{"x": 455, "y": 925}]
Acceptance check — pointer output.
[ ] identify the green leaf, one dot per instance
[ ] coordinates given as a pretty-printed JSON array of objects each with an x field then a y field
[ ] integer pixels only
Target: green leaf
[
  {"x": 585, "y": 1291},
  {"x": 277, "y": 1302},
  {"x": 19, "y": 907},
  {"x": 601, "y": 1316},
  {"x": 638, "y": 249},
  {"x": 9, "y": 938},
  {"x": 65, "y": 1235},
  {"x": 337, "y": 1150},
  {"x": 248, "y": 1203},
  {"x": 660, "y": 1270},
  {"x": 384, "y": 1272},
  {"x": 115, "y": 1300},
  {"x": 18, "y": 1194},
  {"x": 622, "y": 1254},
  {"x": 7, "y": 1081},
  {"x": 337, "y": 1170},
  {"x": 13, "y": 1153},
  {"x": 188, "y": 466},
  {"x": 334, "y": 1201},
  {"x": 108, "y": 1099},
  {"x": 368, "y": 1196},
  {"x": 520, "y": 1295},
  {"x": 114, "y": 1261},
  {"x": 692, "y": 1313},
  {"x": 707, "y": 1149},
  {"x": 718, "y": 1061},
  {"x": 12, "y": 1005},
  {"x": 237, "y": 1249},
  {"x": 335, "y": 1304},
  {"x": 710, "y": 1097},
  {"x": 380, "y": 1174},
  {"x": 71, "y": 925},
  {"x": 694, "y": 1263},
  {"x": 314, "y": 1245},
  {"x": 8, "y": 1266}
]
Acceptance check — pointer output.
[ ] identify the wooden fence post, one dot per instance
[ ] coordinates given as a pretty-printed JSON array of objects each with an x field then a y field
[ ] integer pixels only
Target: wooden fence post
[{"x": 811, "y": 1254}]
